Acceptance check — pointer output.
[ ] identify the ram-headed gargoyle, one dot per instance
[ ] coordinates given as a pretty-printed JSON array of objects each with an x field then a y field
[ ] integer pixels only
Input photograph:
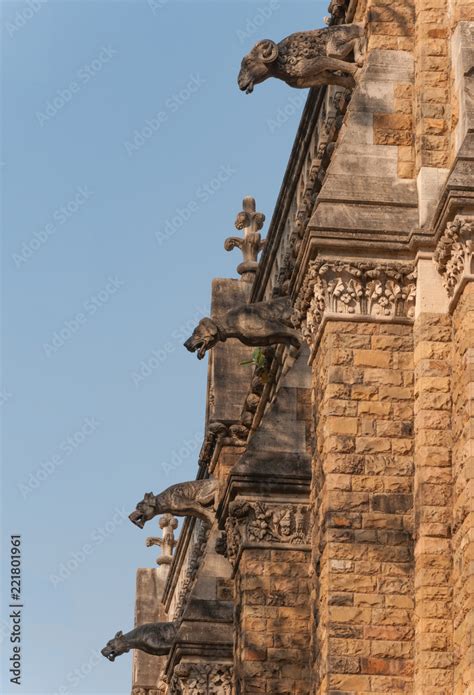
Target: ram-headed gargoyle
[
  {"x": 258, "y": 325},
  {"x": 152, "y": 638},
  {"x": 194, "y": 498},
  {"x": 307, "y": 58}
]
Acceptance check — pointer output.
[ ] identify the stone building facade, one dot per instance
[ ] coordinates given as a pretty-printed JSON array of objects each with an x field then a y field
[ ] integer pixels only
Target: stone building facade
[{"x": 341, "y": 557}]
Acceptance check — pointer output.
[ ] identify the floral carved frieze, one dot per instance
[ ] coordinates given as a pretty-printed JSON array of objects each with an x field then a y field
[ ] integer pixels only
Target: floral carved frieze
[
  {"x": 454, "y": 252},
  {"x": 255, "y": 522},
  {"x": 201, "y": 679},
  {"x": 378, "y": 290}
]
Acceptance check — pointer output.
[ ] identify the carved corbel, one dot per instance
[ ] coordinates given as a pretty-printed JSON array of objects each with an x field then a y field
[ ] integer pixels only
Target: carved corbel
[{"x": 454, "y": 253}]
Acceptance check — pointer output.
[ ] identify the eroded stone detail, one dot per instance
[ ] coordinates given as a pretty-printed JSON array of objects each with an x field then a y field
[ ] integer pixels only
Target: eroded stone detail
[
  {"x": 197, "y": 553},
  {"x": 196, "y": 498},
  {"x": 252, "y": 243},
  {"x": 152, "y": 638},
  {"x": 306, "y": 58},
  {"x": 454, "y": 253},
  {"x": 167, "y": 543},
  {"x": 201, "y": 679},
  {"x": 261, "y": 522},
  {"x": 258, "y": 325},
  {"x": 379, "y": 290}
]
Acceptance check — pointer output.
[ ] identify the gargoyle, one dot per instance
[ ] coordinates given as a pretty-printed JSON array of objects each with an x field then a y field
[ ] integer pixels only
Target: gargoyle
[
  {"x": 195, "y": 498},
  {"x": 307, "y": 58},
  {"x": 152, "y": 638},
  {"x": 257, "y": 325}
]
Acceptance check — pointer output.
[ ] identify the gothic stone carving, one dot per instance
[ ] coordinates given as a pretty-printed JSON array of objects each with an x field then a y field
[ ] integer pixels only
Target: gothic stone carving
[
  {"x": 195, "y": 498},
  {"x": 454, "y": 253},
  {"x": 152, "y": 638},
  {"x": 306, "y": 59},
  {"x": 251, "y": 222},
  {"x": 258, "y": 325},
  {"x": 201, "y": 679},
  {"x": 264, "y": 522},
  {"x": 189, "y": 575},
  {"x": 353, "y": 288},
  {"x": 168, "y": 523}
]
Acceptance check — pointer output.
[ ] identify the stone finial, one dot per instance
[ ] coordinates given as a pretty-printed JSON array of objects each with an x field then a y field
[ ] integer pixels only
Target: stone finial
[
  {"x": 167, "y": 543},
  {"x": 251, "y": 244}
]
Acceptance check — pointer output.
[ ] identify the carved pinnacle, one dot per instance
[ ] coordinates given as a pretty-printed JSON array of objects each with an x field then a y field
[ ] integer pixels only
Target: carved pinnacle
[{"x": 251, "y": 244}]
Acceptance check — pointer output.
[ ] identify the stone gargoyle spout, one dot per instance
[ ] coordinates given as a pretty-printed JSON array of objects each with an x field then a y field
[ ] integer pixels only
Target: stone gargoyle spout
[
  {"x": 152, "y": 638},
  {"x": 257, "y": 325},
  {"x": 307, "y": 58},
  {"x": 195, "y": 498}
]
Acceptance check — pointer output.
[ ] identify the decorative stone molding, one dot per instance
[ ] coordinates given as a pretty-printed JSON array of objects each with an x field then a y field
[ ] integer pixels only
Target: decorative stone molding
[
  {"x": 190, "y": 573},
  {"x": 262, "y": 523},
  {"x": 351, "y": 289},
  {"x": 201, "y": 679},
  {"x": 251, "y": 222},
  {"x": 454, "y": 252}
]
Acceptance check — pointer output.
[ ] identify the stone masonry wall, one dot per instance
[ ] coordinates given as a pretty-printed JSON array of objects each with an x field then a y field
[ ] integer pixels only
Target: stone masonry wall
[
  {"x": 272, "y": 616},
  {"x": 433, "y": 505},
  {"x": 463, "y": 497},
  {"x": 363, "y": 509}
]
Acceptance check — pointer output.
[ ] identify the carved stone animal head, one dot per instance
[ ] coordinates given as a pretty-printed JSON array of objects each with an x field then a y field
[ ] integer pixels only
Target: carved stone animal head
[
  {"x": 204, "y": 337},
  {"x": 115, "y": 647},
  {"x": 144, "y": 511},
  {"x": 257, "y": 65}
]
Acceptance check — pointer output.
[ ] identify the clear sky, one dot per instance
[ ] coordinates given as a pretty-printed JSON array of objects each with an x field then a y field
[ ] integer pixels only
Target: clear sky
[{"x": 126, "y": 151}]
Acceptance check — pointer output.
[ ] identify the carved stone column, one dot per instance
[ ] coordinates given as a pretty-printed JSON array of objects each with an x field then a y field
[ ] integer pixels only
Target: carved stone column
[{"x": 357, "y": 317}]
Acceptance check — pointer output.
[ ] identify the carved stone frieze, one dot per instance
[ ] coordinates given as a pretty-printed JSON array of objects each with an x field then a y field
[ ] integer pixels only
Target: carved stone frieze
[
  {"x": 354, "y": 288},
  {"x": 201, "y": 679},
  {"x": 454, "y": 252},
  {"x": 257, "y": 522}
]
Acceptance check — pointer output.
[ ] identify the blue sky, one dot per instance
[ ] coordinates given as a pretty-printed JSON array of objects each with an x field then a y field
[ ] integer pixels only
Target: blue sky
[{"x": 126, "y": 151}]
